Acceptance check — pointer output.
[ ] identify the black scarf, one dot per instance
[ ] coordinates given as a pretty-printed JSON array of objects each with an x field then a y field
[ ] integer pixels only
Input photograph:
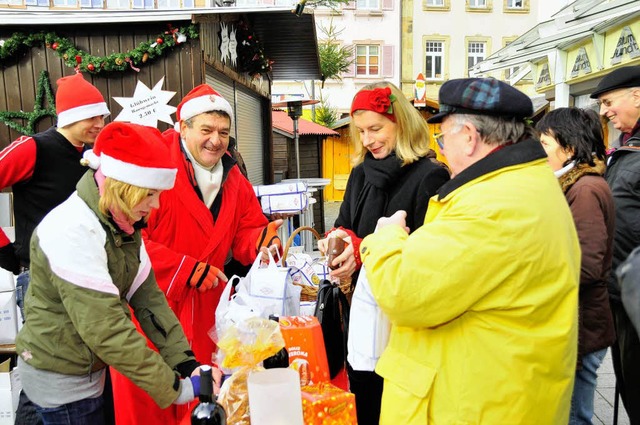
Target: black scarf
[{"x": 379, "y": 176}]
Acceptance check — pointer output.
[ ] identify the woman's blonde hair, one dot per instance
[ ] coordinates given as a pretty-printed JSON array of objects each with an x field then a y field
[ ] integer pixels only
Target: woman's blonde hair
[
  {"x": 412, "y": 138},
  {"x": 120, "y": 196}
]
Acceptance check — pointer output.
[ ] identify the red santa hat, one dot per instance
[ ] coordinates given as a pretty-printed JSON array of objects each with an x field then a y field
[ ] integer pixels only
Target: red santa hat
[
  {"x": 77, "y": 100},
  {"x": 133, "y": 154},
  {"x": 200, "y": 100}
]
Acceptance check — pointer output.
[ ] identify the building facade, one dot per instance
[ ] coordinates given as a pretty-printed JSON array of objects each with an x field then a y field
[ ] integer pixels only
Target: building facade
[
  {"x": 442, "y": 39},
  {"x": 568, "y": 55}
]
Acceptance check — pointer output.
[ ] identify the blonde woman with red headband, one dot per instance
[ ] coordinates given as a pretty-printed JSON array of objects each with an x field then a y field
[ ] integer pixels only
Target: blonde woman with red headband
[{"x": 394, "y": 170}]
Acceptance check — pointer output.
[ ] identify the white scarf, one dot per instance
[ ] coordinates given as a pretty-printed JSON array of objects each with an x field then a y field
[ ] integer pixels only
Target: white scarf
[{"x": 208, "y": 180}]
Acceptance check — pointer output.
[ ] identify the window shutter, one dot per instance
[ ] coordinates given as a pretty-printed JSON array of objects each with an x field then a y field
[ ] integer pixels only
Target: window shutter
[
  {"x": 387, "y": 61},
  {"x": 350, "y": 5},
  {"x": 351, "y": 72},
  {"x": 387, "y": 4}
]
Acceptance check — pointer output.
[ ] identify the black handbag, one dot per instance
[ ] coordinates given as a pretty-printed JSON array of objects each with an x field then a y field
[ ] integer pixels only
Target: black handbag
[{"x": 332, "y": 311}]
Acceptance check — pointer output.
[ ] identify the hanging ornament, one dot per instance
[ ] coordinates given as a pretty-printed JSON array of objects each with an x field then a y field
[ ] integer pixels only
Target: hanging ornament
[
  {"x": 159, "y": 40},
  {"x": 181, "y": 38},
  {"x": 119, "y": 61},
  {"x": 130, "y": 62},
  {"x": 54, "y": 46},
  {"x": 91, "y": 67},
  {"x": 65, "y": 57},
  {"x": 145, "y": 57},
  {"x": 2, "y": 43}
]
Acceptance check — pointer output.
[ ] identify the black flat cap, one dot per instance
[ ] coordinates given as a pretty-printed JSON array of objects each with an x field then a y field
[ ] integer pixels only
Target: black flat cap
[
  {"x": 481, "y": 96},
  {"x": 627, "y": 76}
]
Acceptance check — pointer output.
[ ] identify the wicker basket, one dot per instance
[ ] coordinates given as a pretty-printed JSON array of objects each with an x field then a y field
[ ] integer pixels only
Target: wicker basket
[{"x": 310, "y": 293}]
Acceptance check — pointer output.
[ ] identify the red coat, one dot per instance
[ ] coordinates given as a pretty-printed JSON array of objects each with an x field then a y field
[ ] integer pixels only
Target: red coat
[{"x": 179, "y": 234}]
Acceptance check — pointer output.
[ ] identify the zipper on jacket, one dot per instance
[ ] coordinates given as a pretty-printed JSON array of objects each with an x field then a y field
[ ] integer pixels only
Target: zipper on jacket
[{"x": 157, "y": 325}]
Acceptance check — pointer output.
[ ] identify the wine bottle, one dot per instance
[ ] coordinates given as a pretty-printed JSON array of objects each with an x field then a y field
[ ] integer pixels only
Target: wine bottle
[
  {"x": 208, "y": 411},
  {"x": 281, "y": 358}
]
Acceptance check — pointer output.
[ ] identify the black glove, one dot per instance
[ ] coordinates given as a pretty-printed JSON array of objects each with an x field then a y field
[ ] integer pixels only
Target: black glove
[{"x": 9, "y": 260}]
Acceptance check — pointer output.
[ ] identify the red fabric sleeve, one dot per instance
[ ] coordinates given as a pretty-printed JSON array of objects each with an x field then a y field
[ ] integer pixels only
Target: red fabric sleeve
[
  {"x": 355, "y": 241},
  {"x": 17, "y": 162}
]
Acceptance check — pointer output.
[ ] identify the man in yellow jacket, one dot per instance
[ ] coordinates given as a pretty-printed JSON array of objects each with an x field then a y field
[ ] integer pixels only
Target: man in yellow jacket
[{"x": 483, "y": 298}]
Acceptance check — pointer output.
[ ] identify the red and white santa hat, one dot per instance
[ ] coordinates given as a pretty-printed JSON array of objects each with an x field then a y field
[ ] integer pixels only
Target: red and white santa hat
[
  {"x": 77, "y": 99},
  {"x": 200, "y": 100},
  {"x": 133, "y": 154}
]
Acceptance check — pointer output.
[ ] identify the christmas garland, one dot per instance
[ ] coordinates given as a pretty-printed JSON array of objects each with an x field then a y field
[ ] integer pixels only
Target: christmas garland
[
  {"x": 85, "y": 62},
  {"x": 39, "y": 111},
  {"x": 251, "y": 52}
]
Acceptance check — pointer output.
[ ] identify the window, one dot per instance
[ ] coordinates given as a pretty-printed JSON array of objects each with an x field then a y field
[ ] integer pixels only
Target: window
[
  {"x": 515, "y": 4},
  {"x": 368, "y": 4},
  {"x": 65, "y": 3},
  {"x": 143, "y": 4},
  {"x": 244, "y": 3},
  {"x": 477, "y": 3},
  {"x": 435, "y": 3},
  {"x": 285, "y": 2},
  {"x": 93, "y": 4},
  {"x": 14, "y": 3},
  {"x": 34, "y": 3},
  {"x": 118, "y": 4},
  {"x": 367, "y": 60},
  {"x": 434, "y": 58},
  {"x": 476, "y": 53}
]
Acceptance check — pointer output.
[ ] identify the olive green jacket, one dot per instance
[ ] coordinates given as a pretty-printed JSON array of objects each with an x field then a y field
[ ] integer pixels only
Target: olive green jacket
[{"x": 85, "y": 274}]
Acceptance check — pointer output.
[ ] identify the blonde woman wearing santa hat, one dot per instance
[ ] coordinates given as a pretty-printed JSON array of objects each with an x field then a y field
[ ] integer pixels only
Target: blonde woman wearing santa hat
[
  {"x": 210, "y": 215},
  {"x": 89, "y": 265},
  {"x": 43, "y": 170}
]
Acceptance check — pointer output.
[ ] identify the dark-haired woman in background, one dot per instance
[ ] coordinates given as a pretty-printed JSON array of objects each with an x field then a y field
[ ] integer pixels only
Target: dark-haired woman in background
[{"x": 573, "y": 140}]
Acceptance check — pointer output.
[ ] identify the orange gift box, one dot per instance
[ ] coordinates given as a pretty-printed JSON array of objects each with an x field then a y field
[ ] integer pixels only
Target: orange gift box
[
  {"x": 326, "y": 404},
  {"x": 305, "y": 345}
]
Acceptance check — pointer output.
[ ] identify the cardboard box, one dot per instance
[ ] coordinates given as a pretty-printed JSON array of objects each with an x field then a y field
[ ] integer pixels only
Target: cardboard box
[
  {"x": 8, "y": 317},
  {"x": 305, "y": 345},
  {"x": 280, "y": 188},
  {"x": 288, "y": 203},
  {"x": 326, "y": 404},
  {"x": 7, "y": 281},
  {"x": 9, "y": 394}
]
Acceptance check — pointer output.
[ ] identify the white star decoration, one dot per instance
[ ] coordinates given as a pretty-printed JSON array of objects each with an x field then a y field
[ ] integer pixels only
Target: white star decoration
[{"x": 147, "y": 107}]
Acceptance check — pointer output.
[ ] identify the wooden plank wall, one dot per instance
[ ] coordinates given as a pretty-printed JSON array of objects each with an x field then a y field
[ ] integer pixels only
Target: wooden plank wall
[
  {"x": 337, "y": 153},
  {"x": 182, "y": 67}
]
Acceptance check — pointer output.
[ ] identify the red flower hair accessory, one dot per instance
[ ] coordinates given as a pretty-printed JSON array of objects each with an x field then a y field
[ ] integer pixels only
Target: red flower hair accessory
[{"x": 378, "y": 100}]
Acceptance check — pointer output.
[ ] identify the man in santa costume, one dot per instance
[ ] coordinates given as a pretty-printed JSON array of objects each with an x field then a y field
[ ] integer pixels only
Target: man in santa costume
[
  {"x": 211, "y": 215},
  {"x": 43, "y": 170}
]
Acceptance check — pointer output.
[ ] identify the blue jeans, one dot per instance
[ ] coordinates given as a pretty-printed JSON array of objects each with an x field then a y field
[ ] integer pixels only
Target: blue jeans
[
  {"x": 584, "y": 388},
  {"x": 22, "y": 284},
  {"x": 82, "y": 412}
]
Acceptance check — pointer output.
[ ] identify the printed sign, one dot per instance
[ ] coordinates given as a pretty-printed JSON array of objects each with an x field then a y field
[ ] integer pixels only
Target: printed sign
[{"x": 147, "y": 107}]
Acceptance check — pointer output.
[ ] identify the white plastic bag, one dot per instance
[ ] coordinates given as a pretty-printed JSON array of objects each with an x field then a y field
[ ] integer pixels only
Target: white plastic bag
[
  {"x": 369, "y": 327},
  {"x": 272, "y": 288}
]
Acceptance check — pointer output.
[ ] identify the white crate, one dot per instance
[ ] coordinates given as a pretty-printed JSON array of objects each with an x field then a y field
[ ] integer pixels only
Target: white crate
[{"x": 8, "y": 317}]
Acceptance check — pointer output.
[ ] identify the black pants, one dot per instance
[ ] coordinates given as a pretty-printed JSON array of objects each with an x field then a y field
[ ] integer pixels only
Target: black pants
[
  {"x": 367, "y": 387},
  {"x": 625, "y": 353}
]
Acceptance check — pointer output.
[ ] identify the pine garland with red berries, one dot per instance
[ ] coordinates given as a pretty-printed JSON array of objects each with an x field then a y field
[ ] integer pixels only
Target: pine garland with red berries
[{"x": 81, "y": 60}]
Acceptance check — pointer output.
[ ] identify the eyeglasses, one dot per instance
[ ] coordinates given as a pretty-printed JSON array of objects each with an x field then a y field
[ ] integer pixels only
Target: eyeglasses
[
  {"x": 608, "y": 102},
  {"x": 439, "y": 138}
]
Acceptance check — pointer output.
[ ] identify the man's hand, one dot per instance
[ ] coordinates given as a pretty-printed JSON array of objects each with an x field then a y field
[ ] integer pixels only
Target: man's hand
[
  {"x": 399, "y": 218},
  {"x": 269, "y": 236},
  {"x": 205, "y": 277},
  {"x": 9, "y": 260}
]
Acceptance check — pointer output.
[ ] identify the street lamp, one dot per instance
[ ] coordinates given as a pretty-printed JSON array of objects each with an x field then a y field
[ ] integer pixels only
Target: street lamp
[{"x": 294, "y": 110}]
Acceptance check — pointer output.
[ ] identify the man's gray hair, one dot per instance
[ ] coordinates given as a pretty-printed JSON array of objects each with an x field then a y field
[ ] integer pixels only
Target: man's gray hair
[
  {"x": 189, "y": 121},
  {"x": 494, "y": 130}
]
